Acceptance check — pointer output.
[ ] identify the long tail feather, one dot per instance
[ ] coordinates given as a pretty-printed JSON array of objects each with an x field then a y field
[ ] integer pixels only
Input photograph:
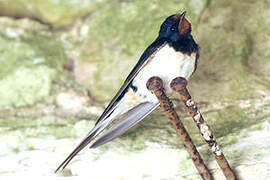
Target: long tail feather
[
  {"x": 84, "y": 143},
  {"x": 130, "y": 119},
  {"x": 92, "y": 134}
]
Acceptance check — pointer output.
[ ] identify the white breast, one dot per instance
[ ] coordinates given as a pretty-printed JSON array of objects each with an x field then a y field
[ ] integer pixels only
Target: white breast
[{"x": 166, "y": 64}]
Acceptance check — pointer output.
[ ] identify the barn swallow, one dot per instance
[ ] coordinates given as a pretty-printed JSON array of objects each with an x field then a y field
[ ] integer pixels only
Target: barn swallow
[{"x": 174, "y": 53}]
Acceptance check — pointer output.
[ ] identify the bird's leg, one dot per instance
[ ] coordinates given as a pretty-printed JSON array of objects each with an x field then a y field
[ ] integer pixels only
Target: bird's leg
[
  {"x": 155, "y": 85},
  {"x": 179, "y": 85}
]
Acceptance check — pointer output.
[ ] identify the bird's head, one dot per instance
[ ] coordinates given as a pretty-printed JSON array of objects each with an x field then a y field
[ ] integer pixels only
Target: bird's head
[{"x": 175, "y": 27}]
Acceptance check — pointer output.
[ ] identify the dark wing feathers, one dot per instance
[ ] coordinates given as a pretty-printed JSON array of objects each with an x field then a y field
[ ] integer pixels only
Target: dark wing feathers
[{"x": 144, "y": 57}]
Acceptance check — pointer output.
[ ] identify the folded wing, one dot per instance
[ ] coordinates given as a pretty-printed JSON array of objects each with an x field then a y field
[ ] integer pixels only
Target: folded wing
[{"x": 130, "y": 119}]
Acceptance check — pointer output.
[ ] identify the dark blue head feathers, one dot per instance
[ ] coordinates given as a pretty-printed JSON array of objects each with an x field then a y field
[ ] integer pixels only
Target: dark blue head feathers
[{"x": 174, "y": 27}]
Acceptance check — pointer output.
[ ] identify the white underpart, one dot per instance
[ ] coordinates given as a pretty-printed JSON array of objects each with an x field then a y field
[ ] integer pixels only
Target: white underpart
[{"x": 166, "y": 64}]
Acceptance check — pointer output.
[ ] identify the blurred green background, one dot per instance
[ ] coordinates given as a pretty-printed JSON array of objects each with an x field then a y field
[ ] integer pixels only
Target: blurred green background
[{"x": 61, "y": 61}]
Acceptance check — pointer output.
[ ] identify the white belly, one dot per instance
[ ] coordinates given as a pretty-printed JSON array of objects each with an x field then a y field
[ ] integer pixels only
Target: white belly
[{"x": 166, "y": 64}]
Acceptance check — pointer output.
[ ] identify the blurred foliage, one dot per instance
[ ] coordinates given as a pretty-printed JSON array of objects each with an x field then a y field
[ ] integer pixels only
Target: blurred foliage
[
  {"x": 28, "y": 67},
  {"x": 56, "y": 13}
]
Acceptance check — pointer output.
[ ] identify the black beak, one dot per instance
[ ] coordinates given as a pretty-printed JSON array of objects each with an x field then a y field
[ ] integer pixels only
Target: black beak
[{"x": 182, "y": 17}]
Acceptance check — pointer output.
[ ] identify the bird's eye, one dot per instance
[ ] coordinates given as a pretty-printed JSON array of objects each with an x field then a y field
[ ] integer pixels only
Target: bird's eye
[{"x": 172, "y": 29}]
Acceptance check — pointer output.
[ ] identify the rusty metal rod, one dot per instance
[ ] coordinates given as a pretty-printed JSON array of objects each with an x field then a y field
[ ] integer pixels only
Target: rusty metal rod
[
  {"x": 155, "y": 85},
  {"x": 179, "y": 85}
]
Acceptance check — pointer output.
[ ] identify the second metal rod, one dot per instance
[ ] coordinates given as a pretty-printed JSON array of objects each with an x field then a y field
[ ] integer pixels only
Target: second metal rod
[{"x": 179, "y": 85}]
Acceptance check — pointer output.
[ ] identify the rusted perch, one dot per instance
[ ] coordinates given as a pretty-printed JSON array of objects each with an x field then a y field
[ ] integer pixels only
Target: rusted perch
[
  {"x": 155, "y": 85},
  {"x": 179, "y": 85}
]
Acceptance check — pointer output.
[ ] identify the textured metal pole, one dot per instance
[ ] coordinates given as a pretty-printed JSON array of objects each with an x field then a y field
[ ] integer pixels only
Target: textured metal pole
[
  {"x": 155, "y": 85},
  {"x": 179, "y": 85}
]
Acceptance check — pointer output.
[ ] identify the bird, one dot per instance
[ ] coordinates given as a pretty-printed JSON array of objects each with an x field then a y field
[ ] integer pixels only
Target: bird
[{"x": 172, "y": 54}]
